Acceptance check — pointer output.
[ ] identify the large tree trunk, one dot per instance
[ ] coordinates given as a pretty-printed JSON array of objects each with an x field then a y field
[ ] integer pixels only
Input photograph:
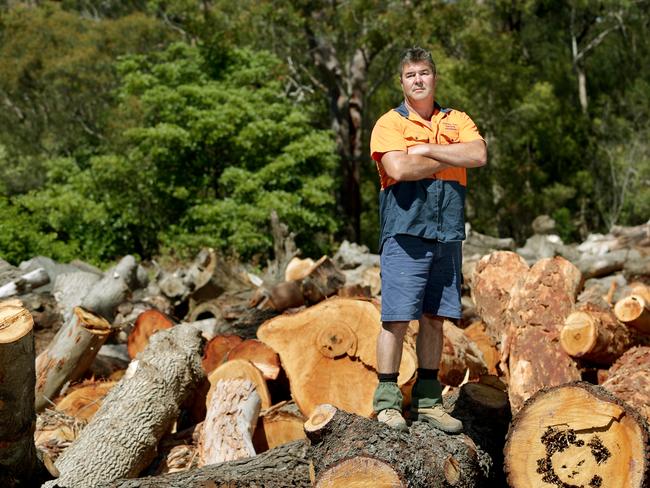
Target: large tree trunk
[
  {"x": 121, "y": 439},
  {"x": 70, "y": 354},
  {"x": 283, "y": 466},
  {"x": 629, "y": 379},
  {"x": 19, "y": 464},
  {"x": 328, "y": 352},
  {"x": 577, "y": 435},
  {"x": 494, "y": 278},
  {"x": 538, "y": 308},
  {"x": 346, "y": 448}
]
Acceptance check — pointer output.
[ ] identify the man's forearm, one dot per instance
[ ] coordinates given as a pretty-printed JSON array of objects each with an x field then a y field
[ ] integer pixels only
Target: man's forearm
[
  {"x": 411, "y": 167},
  {"x": 463, "y": 154}
]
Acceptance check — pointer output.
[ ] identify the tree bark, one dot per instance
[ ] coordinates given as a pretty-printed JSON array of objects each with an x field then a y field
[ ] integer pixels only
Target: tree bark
[
  {"x": 459, "y": 354},
  {"x": 494, "y": 279},
  {"x": 105, "y": 295},
  {"x": 283, "y": 466},
  {"x": 280, "y": 424},
  {"x": 25, "y": 283},
  {"x": 324, "y": 280},
  {"x": 539, "y": 305},
  {"x": 423, "y": 457},
  {"x": 629, "y": 379},
  {"x": 70, "y": 354},
  {"x": 69, "y": 290},
  {"x": 19, "y": 464},
  {"x": 577, "y": 435},
  {"x": 121, "y": 439},
  {"x": 227, "y": 432}
]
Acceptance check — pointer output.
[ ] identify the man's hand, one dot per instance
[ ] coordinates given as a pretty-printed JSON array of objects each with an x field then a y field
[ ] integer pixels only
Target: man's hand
[{"x": 471, "y": 154}]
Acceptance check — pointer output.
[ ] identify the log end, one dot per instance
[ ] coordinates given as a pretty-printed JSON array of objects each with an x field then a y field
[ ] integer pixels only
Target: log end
[
  {"x": 579, "y": 334},
  {"x": 15, "y": 323},
  {"x": 576, "y": 435},
  {"x": 319, "y": 418},
  {"x": 360, "y": 472}
]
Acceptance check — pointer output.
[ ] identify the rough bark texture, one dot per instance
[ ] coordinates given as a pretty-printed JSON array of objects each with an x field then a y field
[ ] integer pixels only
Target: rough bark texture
[
  {"x": 593, "y": 333},
  {"x": 231, "y": 418},
  {"x": 494, "y": 278},
  {"x": 577, "y": 435},
  {"x": 423, "y": 457},
  {"x": 19, "y": 465},
  {"x": 69, "y": 290},
  {"x": 629, "y": 379},
  {"x": 122, "y": 437},
  {"x": 70, "y": 354},
  {"x": 540, "y": 303},
  {"x": 283, "y": 466}
]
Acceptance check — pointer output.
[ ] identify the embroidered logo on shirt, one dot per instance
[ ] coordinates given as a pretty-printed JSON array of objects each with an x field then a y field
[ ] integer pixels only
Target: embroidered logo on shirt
[{"x": 448, "y": 126}]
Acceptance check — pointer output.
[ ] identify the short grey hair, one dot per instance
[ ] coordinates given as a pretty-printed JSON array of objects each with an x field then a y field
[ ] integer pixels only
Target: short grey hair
[{"x": 416, "y": 54}]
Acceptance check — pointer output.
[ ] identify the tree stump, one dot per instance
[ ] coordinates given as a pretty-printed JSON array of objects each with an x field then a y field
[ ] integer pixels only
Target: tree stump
[
  {"x": 122, "y": 437},
  {"x": 19, "y": 464},
  {"x": 576, "y": 435},
  {"x": 539, "y": 305},
  {"x": 70, "y": 354},
  {"x": 343, "y": 445},
  {"x": 629, "y": 379},
  {"x": 328, "y": 352}
]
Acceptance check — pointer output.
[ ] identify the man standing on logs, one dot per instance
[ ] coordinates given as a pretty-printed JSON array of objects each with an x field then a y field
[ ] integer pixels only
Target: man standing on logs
[{"x": 422, "y": 151}]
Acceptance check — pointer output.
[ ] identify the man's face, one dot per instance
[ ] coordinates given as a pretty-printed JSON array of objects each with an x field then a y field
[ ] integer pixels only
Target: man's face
[{"x": 418, "y": 81}]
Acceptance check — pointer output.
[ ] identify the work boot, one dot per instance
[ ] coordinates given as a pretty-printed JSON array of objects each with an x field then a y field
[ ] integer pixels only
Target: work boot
[
  {"x": 392, "y": 418},
  {"x": 436, "y": 416}
]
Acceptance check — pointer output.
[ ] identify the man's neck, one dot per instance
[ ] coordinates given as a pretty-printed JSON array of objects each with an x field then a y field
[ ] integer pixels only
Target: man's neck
[{"x": 424, "y": 108}]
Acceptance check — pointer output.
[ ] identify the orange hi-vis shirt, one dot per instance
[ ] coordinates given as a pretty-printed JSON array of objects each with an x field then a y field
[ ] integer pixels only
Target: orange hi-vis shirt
[{"x": 399, "y": 129}]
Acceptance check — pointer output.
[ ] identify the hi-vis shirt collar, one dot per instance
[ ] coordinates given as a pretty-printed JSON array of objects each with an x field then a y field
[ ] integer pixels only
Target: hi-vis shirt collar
[{"x": 404, "y": 111}]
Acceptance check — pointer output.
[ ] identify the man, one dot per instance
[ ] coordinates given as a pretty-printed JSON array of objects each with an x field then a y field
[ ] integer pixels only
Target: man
[{"x": 422, "y": 151}]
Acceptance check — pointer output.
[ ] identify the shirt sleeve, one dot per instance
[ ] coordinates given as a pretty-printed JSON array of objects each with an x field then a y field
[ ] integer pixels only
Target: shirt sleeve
[
  {"x": 387, "y": 135},
  {"x": 467, "y": 129}
]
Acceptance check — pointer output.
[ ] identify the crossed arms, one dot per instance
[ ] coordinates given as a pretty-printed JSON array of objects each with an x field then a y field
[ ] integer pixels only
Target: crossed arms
[{"x": 423, "y": 160}]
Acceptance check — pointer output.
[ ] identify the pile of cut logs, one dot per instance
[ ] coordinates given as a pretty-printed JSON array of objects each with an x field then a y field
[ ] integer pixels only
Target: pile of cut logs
[{"x": 205, "y": 374}]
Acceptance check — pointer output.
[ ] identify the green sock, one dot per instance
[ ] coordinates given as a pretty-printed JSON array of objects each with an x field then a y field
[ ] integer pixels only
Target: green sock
[
  {"x": 387, "y": 395},
  {"x": 426, "y": 393}
]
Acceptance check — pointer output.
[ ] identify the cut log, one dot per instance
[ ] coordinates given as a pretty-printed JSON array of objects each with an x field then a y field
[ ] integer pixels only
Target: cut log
[
  {"x": 217, "y": 349},
  {"x": 459, "y": 354},
  {"x": 355, "y": 291},
  {"x": 576, "y": 435},
  {"x": 25, "y": 283},
  {"x": 324, "y": 280},
  {"x": 262, "y": 356},
  {"x": 424, "y": 457},
  {"x": 227, "y": 432},
  {"x": 19, "y": 464},
  {"x": 477, "y": 333},
  {"x": 239, "y": 369},
  {"x": 593, "y": 333},
  {"x": 634, "y": 310},
  {"x": 70, "y": 354},
  {"x": 629, "y": 379},
  {"x": 121, "y": 439},
  {"x": 637, "y": 269},
  {"x": 539, "y": 305},
  {"x": 328, "y": 352},
  {"x": 84, "y": 401},
  {"x": 606, "y": 264},
  {"x": 105, "y": 295},
  {"x": 69, "y": 290},
  {"x": 283, "y": 466},
  {"x": 282, "y": 296},
  {"x": 297, "y": 269},
  {"x": 147, "y": 324},
  {"x": 494, "y": 278},
  {"x": 280, "y": 424}
]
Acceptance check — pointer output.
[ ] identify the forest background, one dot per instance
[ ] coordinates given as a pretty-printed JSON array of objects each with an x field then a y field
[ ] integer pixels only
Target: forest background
[{"x": 154, "y": 127}]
